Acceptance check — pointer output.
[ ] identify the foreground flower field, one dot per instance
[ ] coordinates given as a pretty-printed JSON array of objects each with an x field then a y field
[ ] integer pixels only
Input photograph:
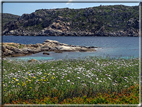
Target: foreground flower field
[{"x": 91, "y": 80}]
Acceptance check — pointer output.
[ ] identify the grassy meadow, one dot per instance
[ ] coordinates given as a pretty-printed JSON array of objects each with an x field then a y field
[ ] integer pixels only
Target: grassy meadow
[{"x": 93, "y": 80}]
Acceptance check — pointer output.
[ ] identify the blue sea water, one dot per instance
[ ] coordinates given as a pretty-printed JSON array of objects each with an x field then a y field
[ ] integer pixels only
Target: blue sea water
[{"x": 122, "y": 47}]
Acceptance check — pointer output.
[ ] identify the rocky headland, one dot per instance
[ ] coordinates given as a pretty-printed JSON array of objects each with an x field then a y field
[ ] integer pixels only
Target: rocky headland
[
  {"x": 117, "y": 20},
  {"x": 16, "y": 49}
]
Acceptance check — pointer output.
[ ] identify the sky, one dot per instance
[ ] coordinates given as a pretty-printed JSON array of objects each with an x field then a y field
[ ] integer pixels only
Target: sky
[{"x": 27, "y": 8}]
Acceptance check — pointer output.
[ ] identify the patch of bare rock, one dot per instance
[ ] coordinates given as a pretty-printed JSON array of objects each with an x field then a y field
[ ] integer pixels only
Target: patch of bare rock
[{"x": 16, "y": 49}]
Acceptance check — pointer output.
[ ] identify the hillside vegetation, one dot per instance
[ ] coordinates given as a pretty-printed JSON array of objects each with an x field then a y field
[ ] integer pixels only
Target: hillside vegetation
[
  {"x": 8, "y": 17},
  {"x": 117, "y": 20}
]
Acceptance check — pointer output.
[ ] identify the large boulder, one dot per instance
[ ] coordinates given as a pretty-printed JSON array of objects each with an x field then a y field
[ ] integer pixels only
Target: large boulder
[
  {"x": 4, "y": 48},
  {"x": 35, "y": 50},
  {"x": 65, "y": 48},
  {"x": 7, "y": 52},
  {"x": 52, "y": 41},
  {"x": 26, "y": 50},
  {"x": 16, "y": 50},
  {"x": 45, "y": 49}
]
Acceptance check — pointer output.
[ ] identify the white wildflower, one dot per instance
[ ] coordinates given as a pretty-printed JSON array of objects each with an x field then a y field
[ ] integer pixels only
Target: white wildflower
[
  {"x": 109, "y": 78},
  {"x": 68, "y": 80},
  {"x": 78, "y": 77},
  {"x": 100, "y": 81},
  {"x": 93, "y": 83},
  {"x": 84, "y": 84}
]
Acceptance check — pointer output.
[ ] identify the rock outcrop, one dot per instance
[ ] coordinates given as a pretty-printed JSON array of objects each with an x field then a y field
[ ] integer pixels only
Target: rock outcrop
[
  {"x": 117, "y": 20},
  {"x": 16, "y": 49}
]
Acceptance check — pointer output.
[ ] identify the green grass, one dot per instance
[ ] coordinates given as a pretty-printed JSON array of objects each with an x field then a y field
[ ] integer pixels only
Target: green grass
[
  {"x": 11, "y": 45},
  {"x": 77, "y": 81},
  {"x": 18, "y": 46},
  {"x": 21, "y": 46}
]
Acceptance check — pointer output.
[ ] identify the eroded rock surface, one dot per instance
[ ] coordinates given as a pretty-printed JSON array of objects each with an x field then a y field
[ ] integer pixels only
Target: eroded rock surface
[
  {"x": 113, "y": 21},
  {"x": 16, "y": 49}
]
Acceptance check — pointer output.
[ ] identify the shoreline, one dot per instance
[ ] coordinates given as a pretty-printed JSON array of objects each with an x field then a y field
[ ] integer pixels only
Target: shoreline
[
  {"x": 50, "y": 59},
  {"x": 15, "y": 49}
]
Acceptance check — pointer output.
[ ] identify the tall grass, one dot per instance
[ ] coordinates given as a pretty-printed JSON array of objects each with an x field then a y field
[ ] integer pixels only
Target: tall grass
[{"x": 90, "y": 80}]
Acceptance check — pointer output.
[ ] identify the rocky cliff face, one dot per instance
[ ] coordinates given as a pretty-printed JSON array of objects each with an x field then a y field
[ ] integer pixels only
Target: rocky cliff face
[{"x": 115, "y": 20}]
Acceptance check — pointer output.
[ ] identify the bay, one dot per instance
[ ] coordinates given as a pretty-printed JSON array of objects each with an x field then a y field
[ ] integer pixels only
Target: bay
[{"x": 122, "y": 47}]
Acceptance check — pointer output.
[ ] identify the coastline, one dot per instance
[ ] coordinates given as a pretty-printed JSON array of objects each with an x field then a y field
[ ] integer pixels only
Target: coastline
[{"x": 16, "y": 49}]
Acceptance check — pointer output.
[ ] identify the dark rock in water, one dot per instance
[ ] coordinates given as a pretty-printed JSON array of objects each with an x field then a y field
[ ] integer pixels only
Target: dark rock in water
[
  {"x": 45, "y": 53},
  {"x": 91, "y": 47},
  {"x": 32, "y": 60}
]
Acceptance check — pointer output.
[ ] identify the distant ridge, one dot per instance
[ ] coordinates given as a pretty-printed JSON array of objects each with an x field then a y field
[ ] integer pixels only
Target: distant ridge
[
  {"x": 117, "y": 20},
  {"x": 7, "y": 17}
]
